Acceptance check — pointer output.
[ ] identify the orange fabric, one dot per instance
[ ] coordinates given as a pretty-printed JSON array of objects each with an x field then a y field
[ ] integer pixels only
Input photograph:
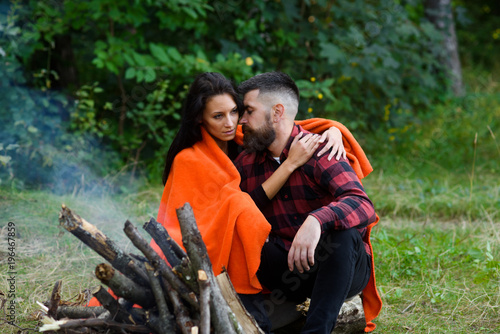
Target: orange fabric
[
  {"x": 95, "y": 302},
  {"x": 232, "y": 227},
  {"x": 372, "y": 303}
]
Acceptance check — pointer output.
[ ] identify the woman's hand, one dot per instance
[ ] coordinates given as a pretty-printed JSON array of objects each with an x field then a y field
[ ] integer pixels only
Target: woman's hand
[
  {"x": 302, "y": 149},
  {"x": 334, "y": 137}
]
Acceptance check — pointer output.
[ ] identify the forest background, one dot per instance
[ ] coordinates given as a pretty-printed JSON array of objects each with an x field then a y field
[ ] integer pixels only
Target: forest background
[{"x": 90, "y": 100}]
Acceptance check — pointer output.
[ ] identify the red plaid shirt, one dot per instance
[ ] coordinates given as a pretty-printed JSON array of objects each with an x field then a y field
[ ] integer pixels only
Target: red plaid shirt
[{"x": 327, "y": 190}]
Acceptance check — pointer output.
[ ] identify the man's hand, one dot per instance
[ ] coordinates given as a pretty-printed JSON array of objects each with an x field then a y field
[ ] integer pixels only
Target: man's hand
[
  {"x": 304, "y": 244},
  {"x": 334, "y": 137}
]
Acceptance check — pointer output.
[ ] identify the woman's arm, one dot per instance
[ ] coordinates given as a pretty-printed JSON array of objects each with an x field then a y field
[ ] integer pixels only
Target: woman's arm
[
  {"x": 329, "y": 129},
  {"x": 334, "y": 137},
  {"x": 301, "y": 150}
]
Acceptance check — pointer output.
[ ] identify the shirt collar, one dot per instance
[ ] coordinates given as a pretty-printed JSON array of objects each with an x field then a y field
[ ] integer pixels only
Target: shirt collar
[
  {"x": 262, "y": 156},
  {"x": 295, "y": 131}
]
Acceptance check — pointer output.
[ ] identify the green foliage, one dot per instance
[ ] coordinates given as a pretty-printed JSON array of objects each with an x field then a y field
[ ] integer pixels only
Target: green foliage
[
  {"x": 451, "y": 135},
  {"x": 371, "y": 65},
  {"x": 124, "y": 66},
  {"x": 35, "y": 146},
  {"x": 478, "y": 31},
  {"x": 446, "y": 165}
]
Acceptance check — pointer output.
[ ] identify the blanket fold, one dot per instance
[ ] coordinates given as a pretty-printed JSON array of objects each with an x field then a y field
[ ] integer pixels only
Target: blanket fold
[{"x": 232, "y": 227}]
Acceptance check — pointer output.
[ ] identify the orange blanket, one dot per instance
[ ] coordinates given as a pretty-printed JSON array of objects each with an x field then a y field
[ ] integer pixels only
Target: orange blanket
[
  {"x": 233, "y": 228},
  {"x": 372, "y": 303}
]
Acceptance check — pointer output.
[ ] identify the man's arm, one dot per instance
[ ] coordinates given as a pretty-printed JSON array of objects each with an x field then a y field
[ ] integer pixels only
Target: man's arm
[
  {"x": 351, "y": 208},
  {"x": 300, "y": 152}
]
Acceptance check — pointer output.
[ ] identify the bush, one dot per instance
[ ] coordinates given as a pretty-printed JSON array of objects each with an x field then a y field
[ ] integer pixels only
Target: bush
[{"x": 124, "y": 68}]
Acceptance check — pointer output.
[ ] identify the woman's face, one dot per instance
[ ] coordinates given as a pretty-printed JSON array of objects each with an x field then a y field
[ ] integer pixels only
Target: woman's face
[{"x": 220, "y": 118}]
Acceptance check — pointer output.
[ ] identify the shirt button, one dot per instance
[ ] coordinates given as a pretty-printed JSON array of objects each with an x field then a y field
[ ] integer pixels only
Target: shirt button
[{"x": 286, "y": 196}]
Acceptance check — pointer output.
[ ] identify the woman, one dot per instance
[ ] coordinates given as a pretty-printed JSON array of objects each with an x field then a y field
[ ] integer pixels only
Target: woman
[{"x": 199, "y": 170}]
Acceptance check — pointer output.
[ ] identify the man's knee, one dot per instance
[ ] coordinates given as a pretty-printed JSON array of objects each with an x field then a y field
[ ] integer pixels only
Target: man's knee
[{"x": 336, "y": 242}]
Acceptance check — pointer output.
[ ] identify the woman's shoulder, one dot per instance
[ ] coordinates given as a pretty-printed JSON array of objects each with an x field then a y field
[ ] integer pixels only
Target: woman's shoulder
[{"x": 187, "y": 155}]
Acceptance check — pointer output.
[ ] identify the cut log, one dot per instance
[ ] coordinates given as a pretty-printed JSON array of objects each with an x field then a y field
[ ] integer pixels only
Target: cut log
[
  {"x": 101, "y": 244},
  {"x": 172, "y": 299},
  {"x": 117, "y": 312},
  {"x": 65, "y": 325},
  {"x": 351, "y": 317},
  {"x": 160, "y": 265},
  {"x": 204, "y": 302},
  {"x": 175, "y": 288},
  {"x": 124, "y": 287},
  {"x": 174, "y": 254},
  {"x": 55, "y": 298},
  {"x": 172, "y": 251},
  {"x": 246, "y": 320},
  {"x": 78, "y": 312},
  {"x": 166, "y": 321},
  {"x": 221, "y": 315}
]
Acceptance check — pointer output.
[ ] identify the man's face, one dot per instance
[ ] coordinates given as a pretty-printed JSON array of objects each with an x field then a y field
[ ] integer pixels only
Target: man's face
[{"x": 256, "y": 122}]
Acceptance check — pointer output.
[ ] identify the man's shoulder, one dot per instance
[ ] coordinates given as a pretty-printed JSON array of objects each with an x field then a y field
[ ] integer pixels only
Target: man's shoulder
[{"x": 245, "y": 158}]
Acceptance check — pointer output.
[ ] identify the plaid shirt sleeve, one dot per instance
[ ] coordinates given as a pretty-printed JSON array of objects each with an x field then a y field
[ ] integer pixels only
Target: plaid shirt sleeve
[{"x": 351, "y": 207}]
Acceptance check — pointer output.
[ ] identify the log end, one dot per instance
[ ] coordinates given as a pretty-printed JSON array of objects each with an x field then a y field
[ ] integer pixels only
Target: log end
[
  {"x": 202, "y": 275},
  {"x": 185, "y": 211},
  {"x": 68, "y": 219},
  {"x": 104, "y": 272}
]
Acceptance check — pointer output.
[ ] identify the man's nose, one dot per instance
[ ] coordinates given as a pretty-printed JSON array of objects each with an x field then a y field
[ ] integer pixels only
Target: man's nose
[{"x": 243, "y": 119}]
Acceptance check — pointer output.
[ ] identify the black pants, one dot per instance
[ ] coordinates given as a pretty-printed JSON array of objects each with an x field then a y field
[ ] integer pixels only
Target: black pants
[{"x": 341, "y": 270}]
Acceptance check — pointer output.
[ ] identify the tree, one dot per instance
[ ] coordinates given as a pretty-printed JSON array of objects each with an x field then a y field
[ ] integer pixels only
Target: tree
[
  {"x": 439, "y": 12},
  {"x": 123, "y": 68}
]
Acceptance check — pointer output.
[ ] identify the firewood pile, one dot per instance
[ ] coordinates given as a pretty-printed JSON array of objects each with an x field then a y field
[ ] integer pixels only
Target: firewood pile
[{"x": 179, "y": 295}]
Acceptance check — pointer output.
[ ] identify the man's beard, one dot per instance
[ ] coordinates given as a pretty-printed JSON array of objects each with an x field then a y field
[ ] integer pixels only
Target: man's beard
[{"x": 257, "y": 140}]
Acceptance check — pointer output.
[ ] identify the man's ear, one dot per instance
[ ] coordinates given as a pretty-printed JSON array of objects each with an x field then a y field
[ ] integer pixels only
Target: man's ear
[{"x": 278, "y": 112}]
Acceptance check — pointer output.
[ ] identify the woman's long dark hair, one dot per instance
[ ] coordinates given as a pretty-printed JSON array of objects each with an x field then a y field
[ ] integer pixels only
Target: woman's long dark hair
[{"x": 205, "y": 86}]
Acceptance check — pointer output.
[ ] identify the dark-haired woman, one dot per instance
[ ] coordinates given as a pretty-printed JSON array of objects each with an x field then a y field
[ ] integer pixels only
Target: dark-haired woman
[{"x": 199, "y": 170}]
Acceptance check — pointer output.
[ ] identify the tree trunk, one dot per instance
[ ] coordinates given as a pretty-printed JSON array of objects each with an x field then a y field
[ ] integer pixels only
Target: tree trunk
[{"x": 439, "y": 12}]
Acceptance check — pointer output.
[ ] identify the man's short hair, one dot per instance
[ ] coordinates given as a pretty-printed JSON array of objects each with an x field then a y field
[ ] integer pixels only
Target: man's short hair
[{"x": 274, "y": 84}]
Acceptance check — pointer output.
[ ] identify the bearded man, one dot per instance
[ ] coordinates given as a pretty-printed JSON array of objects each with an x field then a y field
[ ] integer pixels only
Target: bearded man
[{"x": 318, "y": 246}]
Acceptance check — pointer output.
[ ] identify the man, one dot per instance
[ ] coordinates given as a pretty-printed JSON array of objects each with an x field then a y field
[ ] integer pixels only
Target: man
[{"x": 319, "y": 217}]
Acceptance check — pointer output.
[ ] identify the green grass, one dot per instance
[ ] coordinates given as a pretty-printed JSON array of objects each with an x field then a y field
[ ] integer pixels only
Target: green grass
[
  {"x": 437, "y": 277},
  {"x": 442, "y": 196},
  {"x": 45, "y": 252},
  {"x": 437, "y": 245},
  {"x": 434, "y": 276}
]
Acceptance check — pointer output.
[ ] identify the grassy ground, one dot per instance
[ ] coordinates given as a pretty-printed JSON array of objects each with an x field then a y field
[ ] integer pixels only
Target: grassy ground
[
  {"x": 434, "y": 275},
  {"x": 46, "y": 253},
  {"x": 437, "y": 246}
]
